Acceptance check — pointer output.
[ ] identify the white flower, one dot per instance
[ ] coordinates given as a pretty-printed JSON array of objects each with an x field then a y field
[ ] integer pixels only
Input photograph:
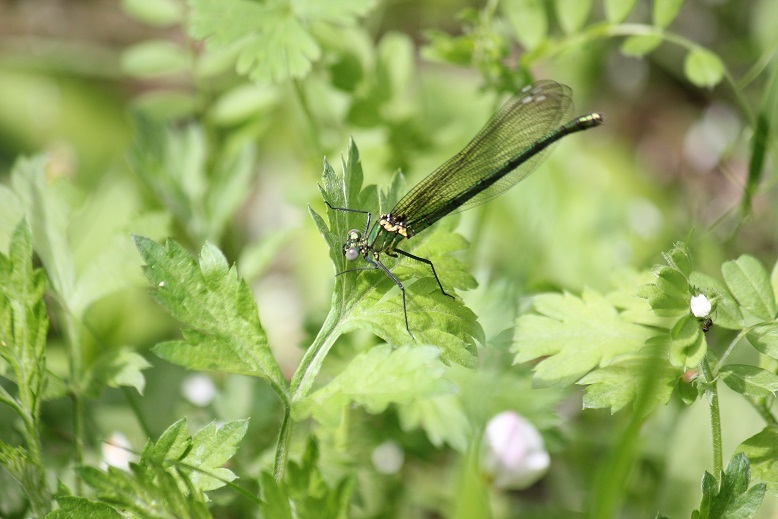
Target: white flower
[
  {"x": 199, "y": 389},
  {"x": 513, "y": 452},
  {"x": 700, "y": 306},
  {"x": 388, "y": 457},
  {"x": 117, "y": 451}
]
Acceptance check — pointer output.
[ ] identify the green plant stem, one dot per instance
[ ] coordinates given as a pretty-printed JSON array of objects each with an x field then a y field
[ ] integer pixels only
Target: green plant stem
[
  {"x": 74, "y": 348},
  {"x": 301, "y": 383},
  {"x": 715, "y": 417},
  {"x": 731, "y": 347}
]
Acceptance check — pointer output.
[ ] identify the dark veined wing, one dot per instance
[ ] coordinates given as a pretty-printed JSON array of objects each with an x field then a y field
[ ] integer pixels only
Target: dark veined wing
[{"x": 526, "y": 117}]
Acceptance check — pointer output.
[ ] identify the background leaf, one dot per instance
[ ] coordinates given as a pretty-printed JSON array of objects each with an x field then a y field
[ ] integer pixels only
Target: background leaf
[{"x": 377, "y": 378}]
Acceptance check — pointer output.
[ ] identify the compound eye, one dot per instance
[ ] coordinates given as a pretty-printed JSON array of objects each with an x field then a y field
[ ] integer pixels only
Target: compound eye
[
  {"x": 351, "y": 253},
  {"x": 354, "y": 234}
]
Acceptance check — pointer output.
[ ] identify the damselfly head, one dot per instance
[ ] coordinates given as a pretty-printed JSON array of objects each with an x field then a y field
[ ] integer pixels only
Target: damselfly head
[{"x": 351, "y": 247}]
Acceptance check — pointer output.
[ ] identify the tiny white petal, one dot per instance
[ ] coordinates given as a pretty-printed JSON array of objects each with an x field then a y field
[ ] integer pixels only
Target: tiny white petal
[
  {"x": 116, "y": 451},
  {"x": 513, "y": 452},
  {"x": 198, "y": 389},
  {"x": 700, "y": 306},
  {"x": 161, "y": 284},
  {"x": 388, "y": 457}
]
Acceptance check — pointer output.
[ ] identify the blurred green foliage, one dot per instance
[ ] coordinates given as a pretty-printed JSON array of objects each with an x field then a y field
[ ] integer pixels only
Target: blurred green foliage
[{"x": 207, "y": 122}]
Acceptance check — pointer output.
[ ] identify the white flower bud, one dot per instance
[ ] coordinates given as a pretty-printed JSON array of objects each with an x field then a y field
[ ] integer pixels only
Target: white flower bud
[
  {"x": 700, "y": 306},
  {"x": 513, "y": 452}
]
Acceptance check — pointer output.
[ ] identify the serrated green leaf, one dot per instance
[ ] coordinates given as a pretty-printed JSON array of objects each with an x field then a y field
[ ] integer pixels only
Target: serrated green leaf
[
  {"x": 687, "y": 345},
  {"x": 273, "y": 38},
  {"x": 310, "y": 492},
  {"x": 639, "y": 46},
  {"x": 202, "y": 192},
  {"x": 169, "y": 448},
  {"x": 216, "y": 307},
  {"x": 669, "y": 294},
  {"x": 212, "y": 447},
  {"x": 664, "y": 11},
  {"x": 377, "y": 378},
  {"x": 371, "y": 299},
  {"x": 622, "y": 382},
  {"x": 441, "y": 418},
  {"x": 23, "y": 327},
  {"x": 749, "y": 283},
  {"x": 576, "y": 334},
  {"x": 74, "y": 507},
  {"x": 726, "y": 312},
  {"x": 762, "y": 452},
  {"x": 679, "y": 258},
  {"x": 528, "y": 20},
  {"x": 731, "y": 498},
  {"x": 572, "y": 14},
  {"x": 703, "y": 68},
  {"x": 275, "y": 502},
  {"x": 115, "y": 368},
  {"x": 617, "y": 10},
  {"x": 749, "y": 380},
  {"x": 764, "y": 337}
]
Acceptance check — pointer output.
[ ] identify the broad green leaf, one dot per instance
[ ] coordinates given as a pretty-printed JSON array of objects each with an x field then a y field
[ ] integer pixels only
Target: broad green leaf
[
  {"x": 669, "y": 294},
  {"x": 764, "y": 337},
  {"x": 273, "y": 38},
  {"x": 687, "y": 345},
  {"x": 115, "y": 368},
  {"x": 679, "y": 258},
  {"x": 731, "y": 498},
  {"x": 74, "y": 507},
  {"x": 703, "y": 68},
  {"x": 749, "y": 380},
  {"x": 159, "y": 13},
  {"x": 103, "y": 253},
  {"x": 441, "y": 418},
  {"x": 572, "y": 14},
  {"x": 48, "y": 213},
  {"x": 665, "y": 11},
  {"x": 377, "y": 378},
  {"x": 575, "y": 334},
  {"x": 617, "y": 10},
  {"x": 749, "y": 282},
  {"x": 762, "y": 452},
  {"x": 529, "y": 20},
  {"x": 627, "y": 379},
  {"x": 396, "y": 63},
  {"x": 238, "y": 105},
  {"x": 726, "y": 313},
  {"x": 639, "y": 46},
  {"x": 370, "y": 299},
  {"x": 155, "y": 58},
  {"x": 222, "y": 329}
]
